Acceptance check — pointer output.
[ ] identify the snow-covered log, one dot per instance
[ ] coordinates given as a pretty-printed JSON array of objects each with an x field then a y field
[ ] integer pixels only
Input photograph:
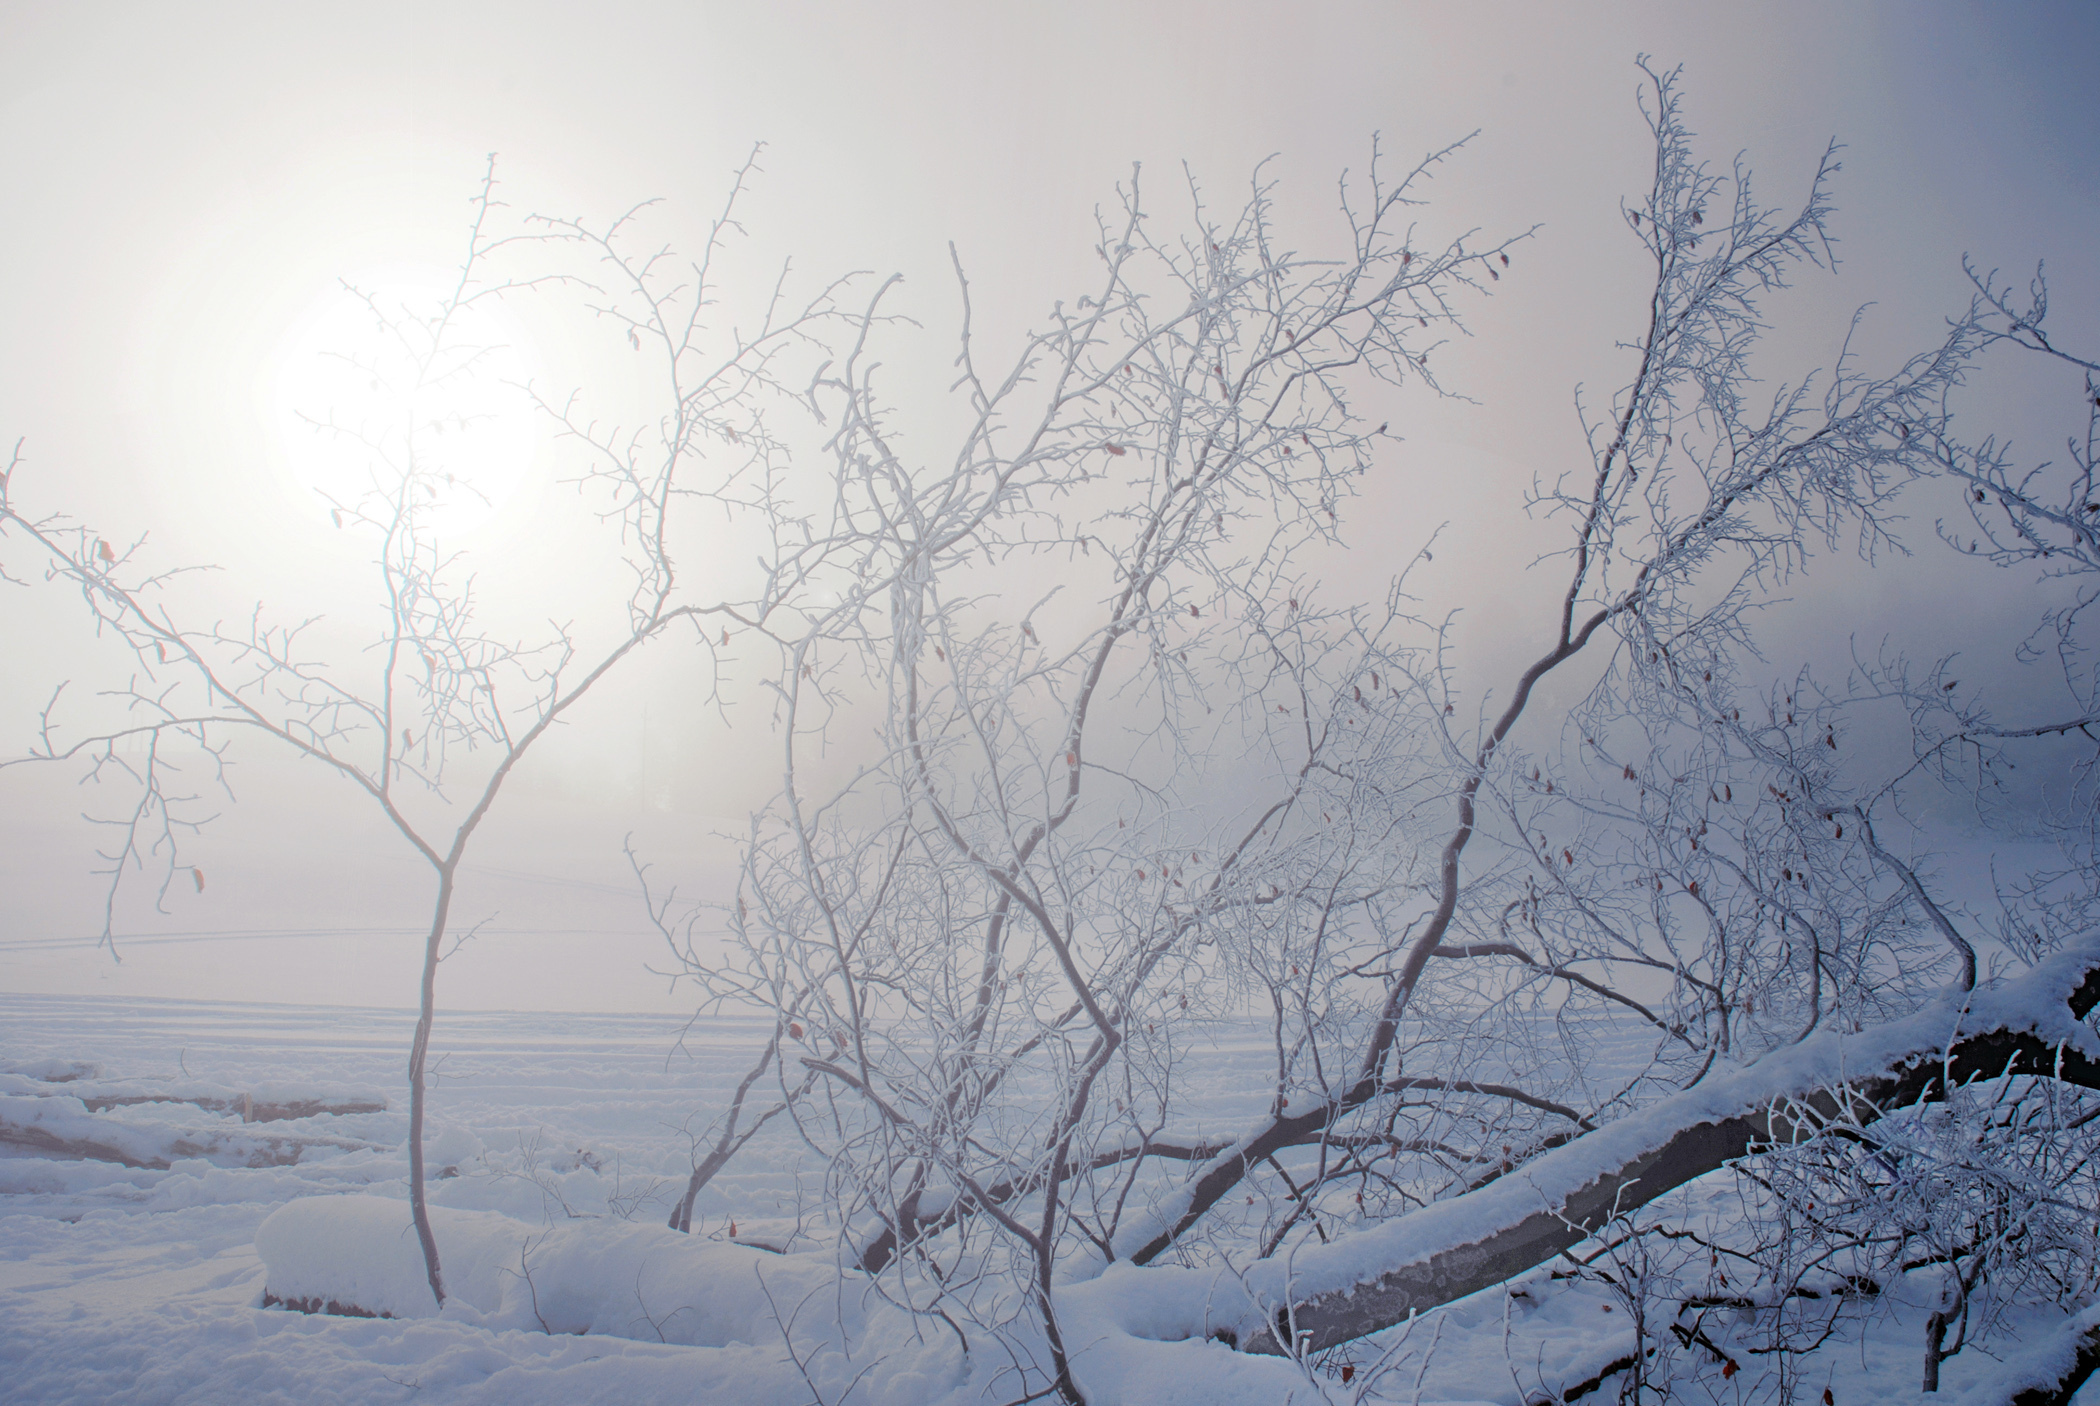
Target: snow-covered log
[
  {"x": 1364, "y": 1282},
  {"x": 619, "y": 1278},
  {"x": 2051, "y": 1374}
]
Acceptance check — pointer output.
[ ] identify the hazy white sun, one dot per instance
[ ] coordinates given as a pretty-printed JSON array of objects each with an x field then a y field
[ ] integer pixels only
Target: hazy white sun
[{"x": 375, "y": 383}]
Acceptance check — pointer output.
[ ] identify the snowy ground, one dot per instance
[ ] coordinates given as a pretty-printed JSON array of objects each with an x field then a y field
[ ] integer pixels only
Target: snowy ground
[{"x": 145, "y": 1284}]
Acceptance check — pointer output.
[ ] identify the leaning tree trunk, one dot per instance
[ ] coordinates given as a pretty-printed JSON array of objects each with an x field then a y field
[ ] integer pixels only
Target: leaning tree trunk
[{"x": 1375, "y": 1279}]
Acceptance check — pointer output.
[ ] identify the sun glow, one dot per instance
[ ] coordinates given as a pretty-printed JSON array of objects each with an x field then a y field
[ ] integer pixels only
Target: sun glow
[{"x": 396, "y": 405}]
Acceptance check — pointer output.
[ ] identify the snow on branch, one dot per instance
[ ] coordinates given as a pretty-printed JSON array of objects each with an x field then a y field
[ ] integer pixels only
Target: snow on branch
[{"x": 1374, "y": 1279}]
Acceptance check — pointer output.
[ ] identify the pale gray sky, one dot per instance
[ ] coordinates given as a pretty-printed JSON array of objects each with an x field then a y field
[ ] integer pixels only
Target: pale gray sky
[{"x": 181, "y": 183}]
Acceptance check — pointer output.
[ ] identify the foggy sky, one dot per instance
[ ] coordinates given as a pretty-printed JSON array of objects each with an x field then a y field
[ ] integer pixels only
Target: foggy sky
[{"x": 180, "y": 184}]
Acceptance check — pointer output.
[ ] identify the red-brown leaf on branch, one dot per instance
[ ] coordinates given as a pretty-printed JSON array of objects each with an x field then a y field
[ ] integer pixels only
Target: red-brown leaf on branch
[
  {"x": 197, "y": 877},
  {"x": 102, "y": 550}
]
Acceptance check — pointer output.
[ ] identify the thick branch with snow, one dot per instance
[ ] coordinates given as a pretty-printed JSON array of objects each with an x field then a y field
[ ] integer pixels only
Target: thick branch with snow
[{"x": 1375, "y": 1279}]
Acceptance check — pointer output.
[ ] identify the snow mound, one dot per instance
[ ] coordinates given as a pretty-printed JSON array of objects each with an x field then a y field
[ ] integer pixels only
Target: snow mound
[
  {"x": 615, "y": 1278},
  {"x": 452, "y": 1149}
]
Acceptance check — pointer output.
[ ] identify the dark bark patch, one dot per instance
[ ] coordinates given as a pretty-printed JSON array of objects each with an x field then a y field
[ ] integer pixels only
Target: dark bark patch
[{"x": 316, "y": 1304}]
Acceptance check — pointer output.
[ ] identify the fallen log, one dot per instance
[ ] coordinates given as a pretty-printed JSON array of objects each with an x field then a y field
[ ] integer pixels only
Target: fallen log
[{"x": 1376, "y": 1278}]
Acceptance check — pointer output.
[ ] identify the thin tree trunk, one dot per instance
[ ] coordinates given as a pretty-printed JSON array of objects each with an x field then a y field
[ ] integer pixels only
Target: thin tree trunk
[{"x": 417, "y": 1087}]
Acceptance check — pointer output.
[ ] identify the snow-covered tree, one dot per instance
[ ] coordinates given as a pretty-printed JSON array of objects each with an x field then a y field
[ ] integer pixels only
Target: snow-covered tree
[{"x": 1179, "y": 780}]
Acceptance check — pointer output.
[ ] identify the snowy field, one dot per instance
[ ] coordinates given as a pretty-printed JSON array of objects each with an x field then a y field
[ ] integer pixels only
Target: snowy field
[{"x": 145, "y": 1283}]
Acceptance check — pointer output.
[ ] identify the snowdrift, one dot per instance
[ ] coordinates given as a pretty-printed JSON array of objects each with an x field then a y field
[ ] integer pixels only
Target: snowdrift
[{"x": 614, "y": 1278}]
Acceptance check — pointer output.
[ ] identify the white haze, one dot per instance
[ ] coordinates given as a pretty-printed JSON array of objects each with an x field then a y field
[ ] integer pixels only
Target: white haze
[{"x": 183, "y": 185}]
